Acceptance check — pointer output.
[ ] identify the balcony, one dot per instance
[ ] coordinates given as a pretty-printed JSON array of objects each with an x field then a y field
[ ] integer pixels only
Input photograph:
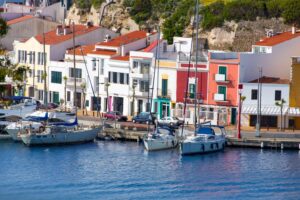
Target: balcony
[
  {"x": 164, "y": 94},
  {"x": 219, "y": 97},
  {"x": 221, "y": 78},
  {"x": 79, "y": 81}
]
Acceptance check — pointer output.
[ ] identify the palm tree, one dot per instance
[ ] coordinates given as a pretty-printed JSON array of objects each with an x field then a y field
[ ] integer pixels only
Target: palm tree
[
  {"x": 65, "y": 91},
  {"x": 281, "y": 104},
  {"x": 83, "y": 90}
]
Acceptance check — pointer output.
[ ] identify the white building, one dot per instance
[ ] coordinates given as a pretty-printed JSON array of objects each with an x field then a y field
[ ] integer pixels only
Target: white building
[
  {"x": 30, "y": 52},
  {"x": 273, "y": 90}
]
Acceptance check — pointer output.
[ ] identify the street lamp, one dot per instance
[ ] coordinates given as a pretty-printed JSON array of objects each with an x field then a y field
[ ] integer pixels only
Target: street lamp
[
  {"x": 240, "y": 110},
  {"x": 259, "y": 88}
]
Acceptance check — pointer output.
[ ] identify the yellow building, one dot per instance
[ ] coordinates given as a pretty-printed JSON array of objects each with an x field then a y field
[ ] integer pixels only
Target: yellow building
[{"x": 295, "y": 88}]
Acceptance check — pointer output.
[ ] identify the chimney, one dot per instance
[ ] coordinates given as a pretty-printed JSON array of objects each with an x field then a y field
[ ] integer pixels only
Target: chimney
[
  {"x": 107, "y": 38},
  {"x": 67, "y": 30},
  {"x": 59, "y": 30},
  {"x": 293, "y": 29}
]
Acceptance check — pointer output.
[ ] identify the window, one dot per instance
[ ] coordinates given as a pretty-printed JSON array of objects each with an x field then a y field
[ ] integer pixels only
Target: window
[
  {"x": 192, "y": 90},
  {"x": 56, "y": 77},
  {"x": 144, "y": 86},
  {"x": 164, "y": 91},
  {"x": 94, "y": 64},
  {"x": 135, "y": 64},
  {"x": 222, "y": 90},
  {"x": 253, "y": 94},
  {"x": 41, "y": 58},
  {"x": 127, "y": 79},
  {"x": 115, "y": 77},
  {"x": 277, "y": 95},
  {"x": 145, "y": 68},
  {"x": 78, "y": 73},
  {"x": 40, "y": 76},
  {"x": 102, "y": 66},
  {"x": 121, "y": 78},
  {"x": 87, "y": 103},
  {"x": 223, "y": 70},
  {"x": 68, "y": 96}
]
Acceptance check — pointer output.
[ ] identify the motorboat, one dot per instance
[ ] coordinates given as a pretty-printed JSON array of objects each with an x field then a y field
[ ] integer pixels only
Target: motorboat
[
  {"x": 207, "y": 139},
  {"x": 161, "y": 138},
  {"x": 55, "y": 135}
]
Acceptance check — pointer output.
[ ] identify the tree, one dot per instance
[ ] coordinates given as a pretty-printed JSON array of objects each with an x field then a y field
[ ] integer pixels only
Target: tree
[
  {"x": 281, "y": 104},
  {"x": 3, "y": 27}
]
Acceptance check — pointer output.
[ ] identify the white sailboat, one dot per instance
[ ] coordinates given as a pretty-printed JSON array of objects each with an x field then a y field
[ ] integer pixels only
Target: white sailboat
[
  {"x": 36, "y": 122},
  {"x": 62, "y": 134},
  {"x": 204, "y": 139},
  {"x": 161, "y": 138},
  {"x": 207, "y": 139}
]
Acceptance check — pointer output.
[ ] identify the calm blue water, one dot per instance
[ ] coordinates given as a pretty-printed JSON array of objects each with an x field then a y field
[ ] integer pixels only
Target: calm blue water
[{"x": 119, "y": 170}]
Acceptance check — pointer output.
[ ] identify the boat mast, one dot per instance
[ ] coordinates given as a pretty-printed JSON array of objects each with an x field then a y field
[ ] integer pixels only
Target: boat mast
[
  {"x": 196, "y": 62},
  {"x": 74, "y": 68}
]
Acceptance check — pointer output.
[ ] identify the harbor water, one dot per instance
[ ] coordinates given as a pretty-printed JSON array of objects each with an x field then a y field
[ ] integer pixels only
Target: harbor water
[{"x": 124, "y": 170}]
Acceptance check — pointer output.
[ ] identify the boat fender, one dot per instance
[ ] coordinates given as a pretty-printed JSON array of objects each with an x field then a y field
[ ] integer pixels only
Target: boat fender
[{"x": 41, "y": 129}]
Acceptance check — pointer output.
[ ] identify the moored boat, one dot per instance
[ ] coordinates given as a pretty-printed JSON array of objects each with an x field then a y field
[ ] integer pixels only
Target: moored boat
[
  {"x": 204, "y": 141},
  {"x": 161, "y": 138}
]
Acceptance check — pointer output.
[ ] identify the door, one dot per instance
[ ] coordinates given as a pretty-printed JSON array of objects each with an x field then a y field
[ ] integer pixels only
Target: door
[
  {"x": 222, "y": 90},
  {"x": 223, "y": 70},
  {"x": 56, "y": 97},
  {"x": 140, "y": 106},
  {"x": 118, "y": 104},
  {"x": 164, "y": 91},
  {"x": 78, "y": 99},
  {"x": 165, "y": 110},
  {"x": 233, "y": 116}
]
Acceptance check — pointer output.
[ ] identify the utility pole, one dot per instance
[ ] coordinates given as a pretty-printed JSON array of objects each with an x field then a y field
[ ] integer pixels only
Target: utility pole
[
  {"x": 196, "y": 62},
  {"x": 258, "y": 116},
  {"x": 74, "y": 68},
  {"x": 45, "y": 70}
]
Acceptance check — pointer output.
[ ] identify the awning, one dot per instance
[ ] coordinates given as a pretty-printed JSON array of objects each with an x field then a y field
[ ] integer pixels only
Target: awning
[
  {"x": 265, "y": 110},
  {"x": 271, "y": 110}
]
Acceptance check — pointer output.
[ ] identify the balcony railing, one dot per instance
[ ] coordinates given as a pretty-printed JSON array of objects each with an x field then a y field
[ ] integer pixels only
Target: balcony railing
[
  {"x": 164, "y": 94},
  {"x": 79, "y": 81},
  {"x": 219, "y": 97},
  {"x": 221, "y": 78}
]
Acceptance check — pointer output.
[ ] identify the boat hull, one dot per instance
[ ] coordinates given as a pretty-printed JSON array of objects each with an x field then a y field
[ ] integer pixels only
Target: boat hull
[
  {"x": 153, "y": 145},
  {"x": 14, "y": 134},
  {"x": 58, "y": 138},
  {"x": 187, "y": 148}
]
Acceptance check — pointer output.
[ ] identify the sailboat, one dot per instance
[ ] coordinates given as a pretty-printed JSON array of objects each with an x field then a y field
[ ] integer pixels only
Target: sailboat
[
  {"x": 61, "y": 134},
  {"x": 162, "y": 137},
  {"x": 205, "y": 137}
]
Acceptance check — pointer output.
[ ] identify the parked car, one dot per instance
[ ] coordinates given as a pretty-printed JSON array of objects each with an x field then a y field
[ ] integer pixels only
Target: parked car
[
  {"x": 115, "y": 115},
  {"x": 144, "y": 117},
  {"x": 170, "y": 121}
]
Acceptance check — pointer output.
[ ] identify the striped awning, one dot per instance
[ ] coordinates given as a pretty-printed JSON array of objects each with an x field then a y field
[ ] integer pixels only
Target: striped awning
[
  {"x": 265, "y": 110},
  {"x": 271, "y": 110}
]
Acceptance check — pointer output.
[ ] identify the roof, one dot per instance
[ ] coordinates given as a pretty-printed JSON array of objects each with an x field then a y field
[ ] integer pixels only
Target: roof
[
  {"x": 52, "y": 38},
  {"x": 90, "y": 49},
  {"x": 277, "y": 39},
  {"x": 121, "y": 58},
  {"x": 152, "y": 46},
  {"x": 20, "y": 19},
  {"x": 125, "y": 39},
  {"x": 271, "y": 80}
]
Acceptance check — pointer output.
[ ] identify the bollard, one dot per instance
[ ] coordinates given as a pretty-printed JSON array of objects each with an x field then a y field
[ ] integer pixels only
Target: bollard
[
  {"x": 262, "y": 144},
  {"x": 281, "y": 146}
]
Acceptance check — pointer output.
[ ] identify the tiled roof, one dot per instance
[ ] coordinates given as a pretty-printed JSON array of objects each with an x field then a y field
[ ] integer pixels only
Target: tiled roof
[
  {"x": 90, "y": 49},
  {"x": 151, "y": 46},
  {"x": 52, "y": 38},
  {"x": 20, "y": 19},
  {"x": 121, "y": 58},
  {"x": 125, "y": 39},
  {"x": 271, "y": 80},
  {"x": 277, "y": 39}
]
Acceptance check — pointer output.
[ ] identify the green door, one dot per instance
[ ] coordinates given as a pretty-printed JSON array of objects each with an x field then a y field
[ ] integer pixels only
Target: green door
[
  {"x": 164, "y": 91},
  {"x": 222, "y": 90},
  {"x": 56, "y": 97},
  {"x": 223, "y": 70},
  {"x": 233, "y": 116},
  {"x": 192, "y": 90}
]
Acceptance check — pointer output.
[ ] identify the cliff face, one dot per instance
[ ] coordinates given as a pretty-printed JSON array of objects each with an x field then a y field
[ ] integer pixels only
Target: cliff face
[{"x": 231, "y": 36}]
